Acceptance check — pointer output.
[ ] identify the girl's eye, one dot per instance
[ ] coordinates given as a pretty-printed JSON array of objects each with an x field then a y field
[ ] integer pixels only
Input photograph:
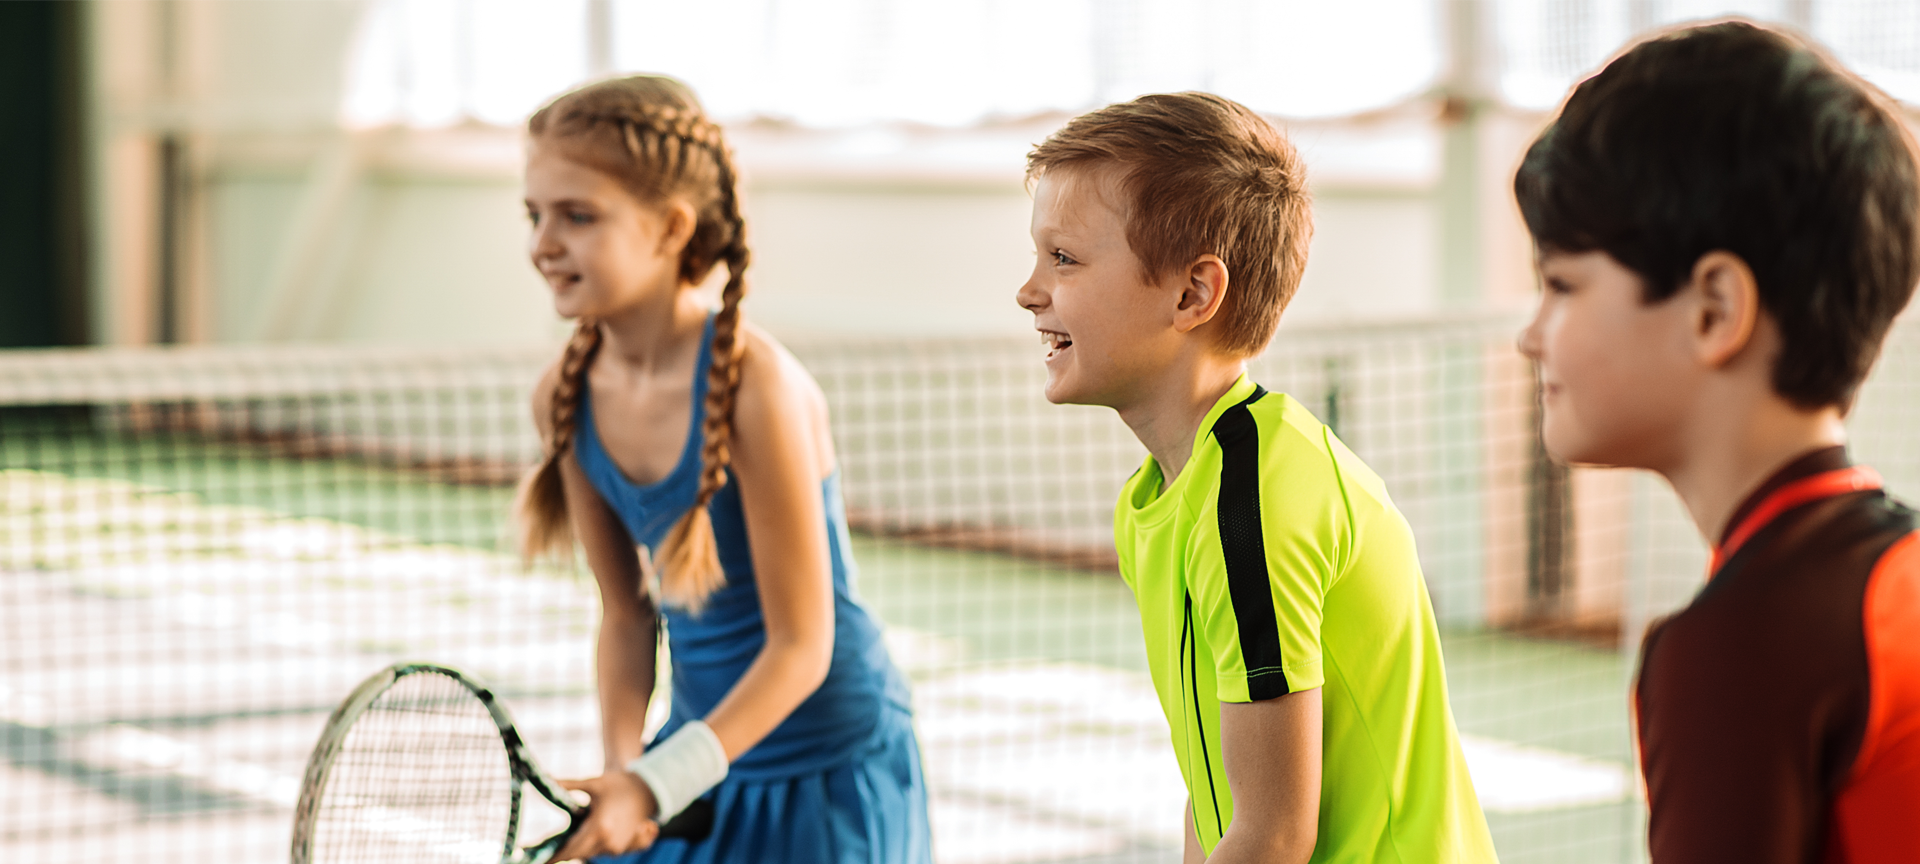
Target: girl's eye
[
  {"x": 580, "y": 218},
  {"x": 533, "y": 218},
  {"x": 1062, "y": 259}
]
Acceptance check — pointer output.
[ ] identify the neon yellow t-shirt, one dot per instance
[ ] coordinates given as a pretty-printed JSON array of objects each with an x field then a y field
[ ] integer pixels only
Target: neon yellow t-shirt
[{"x": 1276, "y": 563}]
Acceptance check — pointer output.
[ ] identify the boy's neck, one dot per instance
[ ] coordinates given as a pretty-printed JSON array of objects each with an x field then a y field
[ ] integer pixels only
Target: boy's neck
[
  {"x": 1729, "y": 453},
  {"x": 1167, "y": 417}
]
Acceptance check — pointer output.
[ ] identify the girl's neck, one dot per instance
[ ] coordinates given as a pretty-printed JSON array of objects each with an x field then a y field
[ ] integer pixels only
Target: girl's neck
[{"x": 648, "y": 336}]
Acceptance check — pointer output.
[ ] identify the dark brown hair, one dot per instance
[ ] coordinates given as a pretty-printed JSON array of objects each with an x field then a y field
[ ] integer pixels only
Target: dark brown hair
[
  {"x": 1201, "y": 175},
  {"x": 650, "y": 133},
  {"x": 1740, "y": 138}
]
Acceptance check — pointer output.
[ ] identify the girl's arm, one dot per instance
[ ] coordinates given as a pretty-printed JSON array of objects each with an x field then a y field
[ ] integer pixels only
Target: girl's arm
[
  {"x": 781, "y": 453},
  {"x": 625, "y": 657},
  {"x": 625, "y": 660}
]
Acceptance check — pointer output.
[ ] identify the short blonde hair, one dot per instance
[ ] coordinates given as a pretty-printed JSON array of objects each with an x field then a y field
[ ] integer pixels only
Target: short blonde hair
[{"x": 1200, "y": 174}]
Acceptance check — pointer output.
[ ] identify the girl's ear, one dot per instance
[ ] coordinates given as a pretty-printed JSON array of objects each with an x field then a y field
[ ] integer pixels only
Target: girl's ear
[
  {"x": 1205, "y": 289},
  {"x": 1729, "y": 306},
  {"x": 681, "y": 221}
]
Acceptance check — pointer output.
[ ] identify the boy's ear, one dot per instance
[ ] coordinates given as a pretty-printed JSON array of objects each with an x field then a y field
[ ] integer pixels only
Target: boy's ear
[
  {"x": 1729, "y": 307},
  {"x": 1204, "y": 288}
]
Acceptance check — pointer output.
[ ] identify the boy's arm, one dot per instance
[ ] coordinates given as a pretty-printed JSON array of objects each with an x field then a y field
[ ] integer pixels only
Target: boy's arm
[
  {"x": 1192, "y": 854},
  {"x": 1271, "y": 750}
]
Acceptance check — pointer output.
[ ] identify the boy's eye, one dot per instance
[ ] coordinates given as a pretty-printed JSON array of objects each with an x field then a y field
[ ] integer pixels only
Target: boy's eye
[
  {"x": 1556, "y": 285},
  {"x": 578, "y": 218},
  {"x": 1062, "y": 259},
  {"x": 533, "y": 217}
]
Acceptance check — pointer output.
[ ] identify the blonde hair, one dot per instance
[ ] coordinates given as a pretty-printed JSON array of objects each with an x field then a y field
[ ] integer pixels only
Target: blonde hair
[
  {"x": 650, "y": 133},
  {"x": 1201, "y": 174}
]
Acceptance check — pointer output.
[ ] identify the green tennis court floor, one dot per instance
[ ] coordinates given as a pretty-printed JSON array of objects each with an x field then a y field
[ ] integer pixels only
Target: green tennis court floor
[{"x": 1042, "y": 736}]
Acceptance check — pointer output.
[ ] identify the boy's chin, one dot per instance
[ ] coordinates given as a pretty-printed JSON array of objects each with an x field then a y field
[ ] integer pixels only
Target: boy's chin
[
  {"x": 1571, "y": 450},
  {"x": 1059, "y": 396},
  {"x": 1060, "y": 390}
]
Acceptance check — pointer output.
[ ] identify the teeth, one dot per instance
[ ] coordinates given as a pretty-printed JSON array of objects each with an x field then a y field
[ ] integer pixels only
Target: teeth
[{"x": 1054, "y": 343}]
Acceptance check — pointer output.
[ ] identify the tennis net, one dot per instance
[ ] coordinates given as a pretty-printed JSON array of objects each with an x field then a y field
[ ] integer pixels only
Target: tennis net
[{"x": 203, "y": 550}]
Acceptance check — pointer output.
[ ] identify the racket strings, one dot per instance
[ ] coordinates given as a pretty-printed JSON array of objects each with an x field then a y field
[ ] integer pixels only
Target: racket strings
[{"x": 421, "y": 776}]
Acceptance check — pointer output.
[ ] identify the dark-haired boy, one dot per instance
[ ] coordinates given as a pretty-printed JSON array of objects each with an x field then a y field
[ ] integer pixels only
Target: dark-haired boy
[
  {"x": 1726, "y": 224},
  {"x": 1288, "y": 629}
]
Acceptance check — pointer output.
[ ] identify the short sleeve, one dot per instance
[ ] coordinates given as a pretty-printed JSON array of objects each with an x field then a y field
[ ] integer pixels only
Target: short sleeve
[{"x": 1259, "y": 565}]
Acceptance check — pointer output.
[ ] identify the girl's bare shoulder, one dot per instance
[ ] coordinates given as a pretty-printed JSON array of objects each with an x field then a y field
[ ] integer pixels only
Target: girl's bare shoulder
[{"x": 771, "y": 378}]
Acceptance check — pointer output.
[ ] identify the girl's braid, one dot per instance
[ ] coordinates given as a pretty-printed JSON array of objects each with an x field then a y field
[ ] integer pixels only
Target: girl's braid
[
  {"x": 541, "y": 497},
  {"x": 692, "y": 569},
  {"x": 574, "y": 361}
]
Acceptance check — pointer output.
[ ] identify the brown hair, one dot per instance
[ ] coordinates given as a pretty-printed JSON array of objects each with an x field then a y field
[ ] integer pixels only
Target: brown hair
[
  {"x": 650, "y": 133},
  {"x": 1201, "y": 175},
  {"x": 1656, "y": 161}
]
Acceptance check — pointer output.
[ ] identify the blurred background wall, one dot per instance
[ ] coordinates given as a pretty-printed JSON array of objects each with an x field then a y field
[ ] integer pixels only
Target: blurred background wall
[
  {"x": 207, "y": 171},
  {"x": 212, "y": 171}
]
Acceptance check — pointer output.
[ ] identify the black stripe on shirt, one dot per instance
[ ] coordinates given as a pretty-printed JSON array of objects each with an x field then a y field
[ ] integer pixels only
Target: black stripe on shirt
[
  {"x": 1189, "y": 645},
  {"x": 1244, "y": 550}
]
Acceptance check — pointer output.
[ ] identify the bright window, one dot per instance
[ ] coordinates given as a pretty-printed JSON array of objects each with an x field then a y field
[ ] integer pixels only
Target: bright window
[{"x": 838, "y": 63}]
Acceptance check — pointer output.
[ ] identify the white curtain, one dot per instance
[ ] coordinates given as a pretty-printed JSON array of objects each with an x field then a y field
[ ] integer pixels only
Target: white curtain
[
  {"x": 838, "y": 63},
  {"x": 843, "y": 63},
  {"x": 1547, "y": 46}
]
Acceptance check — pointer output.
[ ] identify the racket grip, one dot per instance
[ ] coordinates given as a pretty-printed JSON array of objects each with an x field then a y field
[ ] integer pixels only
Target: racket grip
[{"x": 693, "y": 823}]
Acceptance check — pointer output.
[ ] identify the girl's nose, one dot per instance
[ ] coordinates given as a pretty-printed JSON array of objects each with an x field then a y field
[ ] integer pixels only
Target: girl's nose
[{"x": 541, "y": 243}]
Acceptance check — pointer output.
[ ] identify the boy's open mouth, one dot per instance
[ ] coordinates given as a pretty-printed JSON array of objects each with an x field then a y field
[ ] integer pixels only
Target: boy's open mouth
[{"x": 1055, "y": 342}]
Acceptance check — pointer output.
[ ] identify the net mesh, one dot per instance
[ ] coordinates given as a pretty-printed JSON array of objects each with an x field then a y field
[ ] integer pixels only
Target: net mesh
[
  {"x": 203, "y": 551},
  {"x": 420, "y": 776}
]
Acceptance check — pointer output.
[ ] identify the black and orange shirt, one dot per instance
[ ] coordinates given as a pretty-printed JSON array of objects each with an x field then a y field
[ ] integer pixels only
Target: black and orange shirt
[{"x": 1779, "y": 712}]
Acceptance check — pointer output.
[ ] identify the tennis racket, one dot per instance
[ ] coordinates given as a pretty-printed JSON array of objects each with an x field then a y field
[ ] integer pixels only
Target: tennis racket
[{"x": 422, "y": 764}]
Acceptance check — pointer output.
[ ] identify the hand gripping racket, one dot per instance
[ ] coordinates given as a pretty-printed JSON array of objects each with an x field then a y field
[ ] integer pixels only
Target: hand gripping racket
[{"x": 422, "y": 764}]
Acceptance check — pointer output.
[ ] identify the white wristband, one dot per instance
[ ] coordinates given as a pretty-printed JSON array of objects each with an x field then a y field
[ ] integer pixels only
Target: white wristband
[{"x": 682, "y": 768}]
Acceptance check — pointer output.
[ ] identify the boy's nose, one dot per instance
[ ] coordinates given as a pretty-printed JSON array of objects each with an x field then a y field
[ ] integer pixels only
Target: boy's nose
[
  {"x": 1030, "y": 298},
  {"x": 1527, "y": 341}
]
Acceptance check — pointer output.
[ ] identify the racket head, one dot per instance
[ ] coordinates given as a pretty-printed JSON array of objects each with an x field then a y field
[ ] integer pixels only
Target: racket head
[{"x": 420, "y": 763}]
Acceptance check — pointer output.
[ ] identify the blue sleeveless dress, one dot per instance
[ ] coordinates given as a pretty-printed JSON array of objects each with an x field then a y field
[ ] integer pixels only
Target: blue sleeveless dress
[{"x": 839, "y": 780}]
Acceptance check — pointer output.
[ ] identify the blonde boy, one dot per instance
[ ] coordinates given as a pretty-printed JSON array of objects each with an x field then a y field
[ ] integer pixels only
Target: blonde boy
[{"x": 1288, "y": 629}]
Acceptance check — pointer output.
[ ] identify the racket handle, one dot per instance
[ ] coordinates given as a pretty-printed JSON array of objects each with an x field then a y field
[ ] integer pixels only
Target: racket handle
[{"x": 693, "y": 823}]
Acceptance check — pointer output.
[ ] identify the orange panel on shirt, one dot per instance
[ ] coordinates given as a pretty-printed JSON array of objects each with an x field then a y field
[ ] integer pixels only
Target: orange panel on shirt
[{"x": 1876, "y": 817}]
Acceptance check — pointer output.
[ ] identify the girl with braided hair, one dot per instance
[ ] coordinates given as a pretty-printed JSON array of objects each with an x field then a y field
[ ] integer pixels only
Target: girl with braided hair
[{"x": 682, "y": 442}]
